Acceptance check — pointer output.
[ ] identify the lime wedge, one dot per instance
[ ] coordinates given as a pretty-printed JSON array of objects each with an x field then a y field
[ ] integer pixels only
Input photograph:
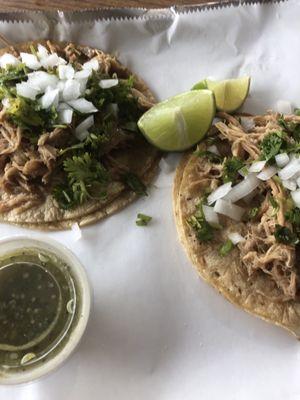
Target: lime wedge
[
  {"x": 179, "y": 122},
  {"x": 200, "y": 85},
  {"x": 230, "y": 94}
]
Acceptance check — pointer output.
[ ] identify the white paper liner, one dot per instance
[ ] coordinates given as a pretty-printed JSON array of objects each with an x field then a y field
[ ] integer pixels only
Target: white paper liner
[{"x": 157, "y": 331}]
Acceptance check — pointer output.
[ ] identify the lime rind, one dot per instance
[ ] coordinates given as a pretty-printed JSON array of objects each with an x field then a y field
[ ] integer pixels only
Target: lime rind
[
  {"x": 178, "y": 123},
  {"x": 230, "y": 94},
  {"x": 200, "y": 85}
]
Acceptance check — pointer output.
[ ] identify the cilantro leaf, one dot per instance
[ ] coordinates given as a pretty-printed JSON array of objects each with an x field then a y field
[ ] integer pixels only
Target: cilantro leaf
[
  {"x": 231, "y": 167},
  {"x": 271, "y": 145},
  {"x": 226, "y": 248},
  {"x": 86, "y": 178},
  {"x": 120, "y": 94},
  {"x": 285, "y": 235},
  {"x": 215, "y": 158},
  {"x": 64, "y": 196},
  {"x": 13, "y": 74},
  {"x": 143, "y": 219},
  {"x": 252, "y": 213},
  {"x": 290, "y": 127},
  {"x": 28, "y": 114},
  {"x": 203, "y": 230},
  {"x": 293, "y": 216},
  {"x": 135, "y": 184}
]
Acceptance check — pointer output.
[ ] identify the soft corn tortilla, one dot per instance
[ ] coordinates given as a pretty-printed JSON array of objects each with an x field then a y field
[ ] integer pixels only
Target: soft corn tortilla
[
  {"x": 141, "y": 159},
  {"x": 225, "y": 273}
]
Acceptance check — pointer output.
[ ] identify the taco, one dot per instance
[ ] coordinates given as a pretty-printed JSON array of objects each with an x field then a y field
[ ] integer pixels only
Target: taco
[
  {"x": 70, "y": 150},
  {"x": 237, "y": 210}
]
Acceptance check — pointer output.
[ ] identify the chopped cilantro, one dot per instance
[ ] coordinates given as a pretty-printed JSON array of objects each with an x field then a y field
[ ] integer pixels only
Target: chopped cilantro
[
  {"x": 231, "y": 167},
  {"x": 293, "y": 216},
  {"x": 135, "y": 184},
  {"x": 142, "y": 219},
  {"x": 203, "y": 230},
  {"x": 119, "y": 94},
  {"x": 96, "y": 140},
  {"x": 271, "y": 145},
  {"x": 215, "y": 158},
  {"x": 28, "y": 114},
  {"x": 13, "y": 74},
  {"x": 251, "y": 214},
  {"x": 291, "y": 127},
  {"x": 86, "y": 178},
  {"x": 285, "y": 235},
  {"x": 64, "y": 196},
  {"x": 226, "y": 248}
]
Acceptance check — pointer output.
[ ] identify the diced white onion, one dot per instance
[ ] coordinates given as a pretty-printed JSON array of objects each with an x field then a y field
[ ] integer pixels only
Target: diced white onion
[
  {"x": 267, "y": 173},
  {"x": 30, "y": 60},
  {"x": 65, "y": 116},
  {"x": 77, "y": 233},
  {"x": 41, "y": 80},
  {"x": 289, "y": 184},
  {"x": 284, "y": 107},
  {"x": 83, "y": 135},
  {"x": 257, "y": 166},
  {"x": 247, "y": 123},
  {"x": 210, "y": 215},
  {"x": 230, "y": 210},
  {"x": 42, "y": 51},
  {"x": 49, "y": 98},
  {"x": 243, "y": 188},
  {"x": 82, "y": 85},
  {"x": 218, "y": 193},
  {"x": 83, "y": 74},
  {"x": 6, "y": 102},
  {"x": 71, "y": 90},
  {"x": 8, "y": 59},
  {"x": 236, "y": 237},
  {"x": 61, "y": 61},
  {"x": 83, "y": 127},
  {"x": 93, "y": 64},
  {"x": 24, "y": 89},
  {"x": 60, "y": 86},
  {"x": 65, "y": 71},
  {"x": 108, "y": 83},
  {"x": 63, "y": 106},
  {"x": 213, "y": 149},
  {"x": 82, "y": 105},
  {"x": 291, "y": 169},
  {"x": 52, "y": 60},
  {"x": 296, "y": 197},
  {"x": 282, "y": 159}
]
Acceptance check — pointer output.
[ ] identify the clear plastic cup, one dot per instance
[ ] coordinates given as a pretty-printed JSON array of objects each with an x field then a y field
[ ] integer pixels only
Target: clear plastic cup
[{"x": 78, "y": 309}]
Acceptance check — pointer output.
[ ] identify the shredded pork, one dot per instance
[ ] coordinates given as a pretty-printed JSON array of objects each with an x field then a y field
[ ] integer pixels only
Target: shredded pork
[
  {"x": 27, "y": 169},
  {"x": 260, "y": 252}
]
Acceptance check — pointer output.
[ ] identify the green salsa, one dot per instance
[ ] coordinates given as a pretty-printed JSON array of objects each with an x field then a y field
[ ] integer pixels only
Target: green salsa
[{"x": 38, "y": 307}]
